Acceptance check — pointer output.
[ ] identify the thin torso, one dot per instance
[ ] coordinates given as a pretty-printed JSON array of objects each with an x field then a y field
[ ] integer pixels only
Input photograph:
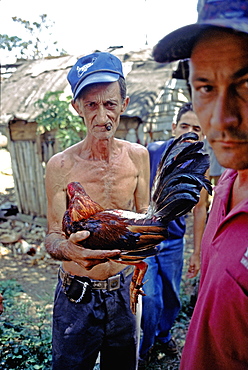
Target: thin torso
[{"x": 112, "y": 183}]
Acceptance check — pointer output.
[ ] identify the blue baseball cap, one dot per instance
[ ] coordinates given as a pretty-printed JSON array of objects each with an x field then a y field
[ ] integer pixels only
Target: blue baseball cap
[
  {"x": 230, "y": 14},
  {"x": 94, "y": 68}
]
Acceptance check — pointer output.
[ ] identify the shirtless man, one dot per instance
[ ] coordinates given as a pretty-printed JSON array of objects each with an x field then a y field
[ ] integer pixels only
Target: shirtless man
[{"x": 115, "y": 173}]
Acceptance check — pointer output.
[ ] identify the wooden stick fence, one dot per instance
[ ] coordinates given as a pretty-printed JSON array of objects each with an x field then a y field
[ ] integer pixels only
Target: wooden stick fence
[{"x": 29, "y": 155}]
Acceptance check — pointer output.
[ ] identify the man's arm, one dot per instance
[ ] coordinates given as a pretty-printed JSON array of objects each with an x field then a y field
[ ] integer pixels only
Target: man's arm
[
  {"x": 56, "y": 243},
  {"x": 142, "y": 190},
  {"x": 200, "y": 216}
]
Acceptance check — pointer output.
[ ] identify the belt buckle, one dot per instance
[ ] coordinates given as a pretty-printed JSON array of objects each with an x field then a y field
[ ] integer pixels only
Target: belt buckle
[{"x": 114, "y": 282}]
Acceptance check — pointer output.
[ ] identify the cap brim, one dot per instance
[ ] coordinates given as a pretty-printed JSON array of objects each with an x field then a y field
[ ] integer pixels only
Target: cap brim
[
  {"x": 98, "y": 77},
  {"x": 179, "y": 43}
]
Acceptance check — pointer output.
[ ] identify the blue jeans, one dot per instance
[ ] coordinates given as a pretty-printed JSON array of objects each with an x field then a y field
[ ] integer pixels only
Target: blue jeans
[
  {"x": 105, "y": 324},
  {"x": 161, "y": 304}
]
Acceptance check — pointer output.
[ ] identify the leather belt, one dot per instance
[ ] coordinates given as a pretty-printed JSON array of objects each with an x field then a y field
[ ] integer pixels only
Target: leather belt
[{"x": 112, "y": 283}]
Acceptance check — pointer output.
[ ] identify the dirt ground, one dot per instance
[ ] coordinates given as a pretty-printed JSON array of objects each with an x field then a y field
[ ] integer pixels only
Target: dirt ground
[{"x": 38, "y": 275}]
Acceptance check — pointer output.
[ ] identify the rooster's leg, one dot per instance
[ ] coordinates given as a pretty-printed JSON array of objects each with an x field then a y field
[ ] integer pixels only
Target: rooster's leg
[{"x": 136, "y": 284}]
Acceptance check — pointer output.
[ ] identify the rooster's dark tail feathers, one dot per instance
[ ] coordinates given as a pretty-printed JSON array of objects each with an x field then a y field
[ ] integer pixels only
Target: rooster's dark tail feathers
[{"x": 180, "y": 178}]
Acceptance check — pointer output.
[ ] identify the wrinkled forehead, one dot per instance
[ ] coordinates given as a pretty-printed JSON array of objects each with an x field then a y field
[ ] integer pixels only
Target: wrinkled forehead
[
  {"x": 214, "y": 38},
  {"x": 219, "y": 56},
  {"x": 106, "y": 88},
  {"x": 189, "y": 117}
]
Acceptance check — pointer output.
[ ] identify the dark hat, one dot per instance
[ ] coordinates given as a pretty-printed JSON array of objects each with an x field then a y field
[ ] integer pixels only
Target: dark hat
[
  {"x": 230, "y": 14},
  {"x": 94, "y": 68}
]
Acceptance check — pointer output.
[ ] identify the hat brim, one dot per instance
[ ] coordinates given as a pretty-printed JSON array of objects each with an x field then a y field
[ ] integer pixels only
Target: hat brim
[
  {"x": 97, "y": 77},
  {"x": 179, "y": 43}
]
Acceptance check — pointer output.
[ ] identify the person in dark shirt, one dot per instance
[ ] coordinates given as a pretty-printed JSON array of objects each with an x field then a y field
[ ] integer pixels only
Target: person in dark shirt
[{"x": 161, "y": 304}]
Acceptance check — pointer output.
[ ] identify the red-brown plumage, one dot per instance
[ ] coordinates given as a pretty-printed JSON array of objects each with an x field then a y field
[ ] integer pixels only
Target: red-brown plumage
[
  {"x": 81, "y": 206},
  {"x": 111, "y": 229}
]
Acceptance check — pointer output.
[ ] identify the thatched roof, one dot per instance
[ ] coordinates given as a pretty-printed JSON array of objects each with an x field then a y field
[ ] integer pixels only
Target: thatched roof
[
  {"x": 30, "y": 82},
  {"x": 144, "y": 84},
  {"x": 32, "y": 79}
]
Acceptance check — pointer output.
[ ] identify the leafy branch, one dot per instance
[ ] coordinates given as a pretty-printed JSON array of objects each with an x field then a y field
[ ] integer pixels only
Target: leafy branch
[
  {"x": 56, "y": 114},
  {"x": 37, "y": 46}
]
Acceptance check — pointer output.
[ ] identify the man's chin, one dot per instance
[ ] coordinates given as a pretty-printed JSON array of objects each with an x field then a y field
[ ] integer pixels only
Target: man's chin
[
  {"x": 103, "y": 135},
  {"x": 231, "y": 160}
]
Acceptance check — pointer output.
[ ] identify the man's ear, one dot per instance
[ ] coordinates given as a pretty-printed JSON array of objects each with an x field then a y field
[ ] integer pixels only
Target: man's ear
[
  {"x": 76, "y": 106},
  {"x": 173, "y": 128},
  {"x": 125, "y": 104}
]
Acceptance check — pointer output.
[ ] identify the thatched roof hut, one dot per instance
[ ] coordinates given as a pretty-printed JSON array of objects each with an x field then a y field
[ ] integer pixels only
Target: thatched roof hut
[
  {"x": 146, "y": 80},
  {"x": 154, "y": 99}
]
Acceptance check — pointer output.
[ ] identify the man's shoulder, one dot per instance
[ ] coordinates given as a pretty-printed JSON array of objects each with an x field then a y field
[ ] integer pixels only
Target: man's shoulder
[
  {"x": 159, "y": 146},
  {"x": 56, "y": 159},
  {"x": 129, "y": 143},
  {"x": 132, "y": 147},
  {"x": 62, "y": 158}
]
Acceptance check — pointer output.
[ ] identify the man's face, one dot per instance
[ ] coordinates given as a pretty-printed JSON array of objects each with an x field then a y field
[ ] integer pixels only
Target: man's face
[
  {"x": 219, "y": 81},
  {"x": 187, "y": 123},
  {"x": 101, "y": 106}
]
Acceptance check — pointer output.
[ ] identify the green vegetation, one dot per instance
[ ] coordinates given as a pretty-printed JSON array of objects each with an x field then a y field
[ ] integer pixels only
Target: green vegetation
[
  {"x": 56, "y": 114},
  {"x": 25, "y": 331}
]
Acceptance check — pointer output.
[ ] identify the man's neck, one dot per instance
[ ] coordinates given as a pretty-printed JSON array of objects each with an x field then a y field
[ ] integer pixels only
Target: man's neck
[
  {"x": 240, "y": 189},
  {"x": 98, "y": 150}
]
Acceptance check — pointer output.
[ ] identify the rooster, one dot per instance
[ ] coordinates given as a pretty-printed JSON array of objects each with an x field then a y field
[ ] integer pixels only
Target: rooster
[{"x": 176, "y": 189}]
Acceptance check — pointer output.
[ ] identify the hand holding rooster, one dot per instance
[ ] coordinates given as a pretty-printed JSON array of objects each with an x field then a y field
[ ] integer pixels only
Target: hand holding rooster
[
  {"x": 69, "y": 250},
  {"x": 86, "y": 257}
]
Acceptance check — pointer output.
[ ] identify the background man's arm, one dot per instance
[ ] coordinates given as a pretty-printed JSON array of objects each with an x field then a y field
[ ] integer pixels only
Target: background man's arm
[
  {"x": 200, "y": 216},
  {"x": 142, "y": 193}
]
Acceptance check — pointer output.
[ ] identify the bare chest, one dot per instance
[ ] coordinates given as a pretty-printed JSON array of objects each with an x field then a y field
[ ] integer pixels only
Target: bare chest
[{"x": 110, "y": 184}]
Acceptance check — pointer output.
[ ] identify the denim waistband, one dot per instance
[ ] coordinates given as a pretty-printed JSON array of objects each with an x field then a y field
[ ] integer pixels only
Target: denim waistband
[{"x": 111, "y": 283}]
